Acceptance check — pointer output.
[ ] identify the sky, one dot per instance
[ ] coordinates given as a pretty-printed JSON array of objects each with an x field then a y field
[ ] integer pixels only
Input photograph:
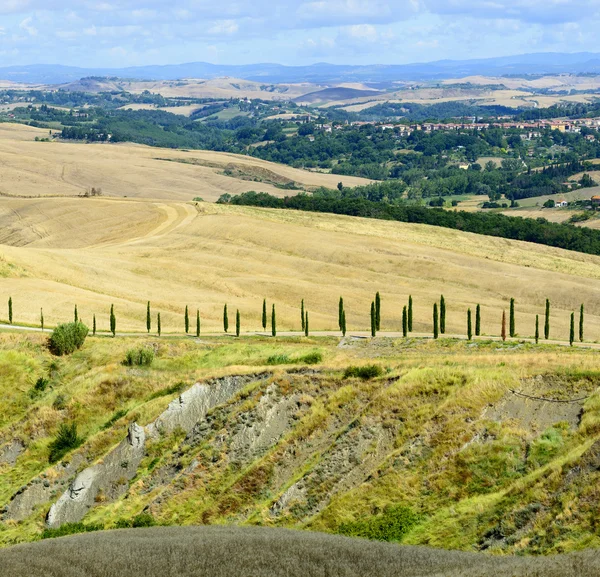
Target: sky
[{"x": 111, "y": 33}]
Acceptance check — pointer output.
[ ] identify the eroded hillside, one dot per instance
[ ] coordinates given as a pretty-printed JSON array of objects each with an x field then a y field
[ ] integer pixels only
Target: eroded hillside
[{"x": 500, "y": 440}]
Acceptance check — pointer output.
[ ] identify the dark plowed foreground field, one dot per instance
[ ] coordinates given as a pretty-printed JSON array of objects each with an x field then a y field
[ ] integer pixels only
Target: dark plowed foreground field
[{"x": 258, "y": 552}]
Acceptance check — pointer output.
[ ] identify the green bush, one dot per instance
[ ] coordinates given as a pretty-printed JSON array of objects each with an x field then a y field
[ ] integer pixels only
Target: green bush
[
  {"x": 70, "y": 529},
  {"x": 392, "y": 525},
  {"x": 142, "y": 357},
  {"x": 67, "y": 338},
  {"x": 60, "y": 402},
  {"x": 66, "y": 440},
  {"x": 311, "y": 358},
  {"x": 40, "y": 386},
  {"x": 367, "y": 372},
  {"x": 118, "y": 415},
  {"x": 141, "y": 520},
  {"x": 178, "y": 388},
  {"x": 279, "y": 360}
]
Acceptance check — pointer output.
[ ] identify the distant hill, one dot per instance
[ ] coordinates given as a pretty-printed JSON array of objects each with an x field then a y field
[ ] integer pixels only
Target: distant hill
[
  {"x": 333, "y": 94},
  {"x": 540, "y": 63}
]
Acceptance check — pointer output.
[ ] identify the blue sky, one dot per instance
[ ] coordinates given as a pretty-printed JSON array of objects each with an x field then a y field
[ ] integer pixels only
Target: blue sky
[{"x": 136, "y": 32}]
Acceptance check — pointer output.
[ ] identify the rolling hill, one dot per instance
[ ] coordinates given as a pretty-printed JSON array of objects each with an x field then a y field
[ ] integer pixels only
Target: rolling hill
[{"x": 30, "y": 168}]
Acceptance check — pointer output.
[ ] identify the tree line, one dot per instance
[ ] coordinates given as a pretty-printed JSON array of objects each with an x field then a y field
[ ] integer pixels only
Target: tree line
[{"x": 72, "y": 333}]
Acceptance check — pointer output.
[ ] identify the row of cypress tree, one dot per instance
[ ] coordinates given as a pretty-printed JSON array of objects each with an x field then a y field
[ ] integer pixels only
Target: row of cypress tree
[{"x": 439, "y": 319}]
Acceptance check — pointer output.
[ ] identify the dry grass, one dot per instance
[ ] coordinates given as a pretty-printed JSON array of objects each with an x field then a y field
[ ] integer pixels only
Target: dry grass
[
  {"x": 68, "y": 169},
  {"x": 64, "y": 251},
  {"x": 229, "y": 552}
]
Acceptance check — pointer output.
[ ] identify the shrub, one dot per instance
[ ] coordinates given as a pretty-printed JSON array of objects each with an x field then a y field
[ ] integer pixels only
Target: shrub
[
  {"x": 141, "y": 520},
  {"x": 366, "y": 372},
  {"x": 40, "y": 386},
  {"x": 70, "y": 529},
  {"x": 118, "y": 415},
  {"x": 311, "y": 358},
  {"x": 142, "y": 357},
  {"x": 279, "y": 360},
  {"x": 60, "y": 402},
  {"x": 392, "y": 525},
  {"x": 178, "y": 388},
  {"x": 67, "y": 338},
  {"x": 66, "y": 440}
]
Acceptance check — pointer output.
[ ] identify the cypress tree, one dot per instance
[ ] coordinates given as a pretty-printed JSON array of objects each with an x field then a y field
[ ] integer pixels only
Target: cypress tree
[
  {"x": 340, "y": 312},
  {"x": 377, "y": 312},
  {"x": 404, "y": 322},
  {"x": 512, "y": 319},
  {"x": 572, "y": 329},
  {"x": 237, "y": 323},
  {"x": 442, "y": 315},
  {"x": 477, "y": 320},
  {"x": 264, "y": 315},
  {"x": 75, "y": 315},
  {"x": 148, "y": 319},
  {"x": 344, "y": 323},
  {"x": 94, "y": 326},
  {"x": 158, "y": 326},
  {"x": 373, "y": 320},
  {"x": 197, "y": 322},
  {"x": 503, "y": 329},
  {"x": 469, "y": 326},
  {"x": 113, "y": 321},
  {"x": 273, "y": 322},
  {"x": 537, "y": 329},
  {"x": 410, "y": 314},
  {"x": 305, "y": 323},
  {"x": 581, "y": 323},
  {"x": 547, "y": 321},
  {"x": 187, "y": 320},
  {"x": 225, "y": 319},
  {"x": 302, "y": 314},
  {"x": 42, "y": 319},
  {"x": 10, "y": 311},
  {"x": 435, "y": 321}
]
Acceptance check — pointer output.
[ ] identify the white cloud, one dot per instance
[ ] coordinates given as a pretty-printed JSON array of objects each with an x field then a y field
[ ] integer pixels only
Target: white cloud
[{"x": 28, "y": 27}]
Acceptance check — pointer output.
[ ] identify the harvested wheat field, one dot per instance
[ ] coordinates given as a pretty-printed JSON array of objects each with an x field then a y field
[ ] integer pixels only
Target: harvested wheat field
[
  {"x": 95, "y": 252},
  {"x": 229, "y": 552},
  {"x": 29, "y": 168}
]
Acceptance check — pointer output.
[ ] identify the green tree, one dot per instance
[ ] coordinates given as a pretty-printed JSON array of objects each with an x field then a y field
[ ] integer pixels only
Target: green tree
[
  {"x": 187, "y": 320},
  {"x": 305, "y": 323},
  {"x": 547, "y": 321},
  {"x": 469, "y": 326},
  {"x": 264, "y": 315},
  {"x": 344, "y": 323},
  {"x": 581, "y": 323},
  {"x": 75, "y": 315},
  {"x": 158, "y": 325},
  {"x": 94, "y": 326},
  {"x": 148, "y": 318},
  {"x": 404, "y": 322},
  {"x": 42, "y": 319},
  {"x": 410, "y": 314},
  {"x": 302, "y": 314},
  {"x": 377, "y": 312},
  {"x": 537, "y": 329},
  {"x": 503, "y": 328},
  {"x": 10, "y": 311},
  {"x": 225, "y": 319},
  {"x": 273, "y": 322},
  {"x": 237, "y": 323},
  {"x": 373, "y": 320},
  {"x": 442, "y": 315},
  {"x": 113, "y": 321},
  {"x": 512, "y": 319},
  {"x": 340, "y": 312},
  {"x": 478, "y": 320},
  {"x": 572, "y": 329},
  {"x": 197, "y": 322},
  {"x": 435, "y": 321}
]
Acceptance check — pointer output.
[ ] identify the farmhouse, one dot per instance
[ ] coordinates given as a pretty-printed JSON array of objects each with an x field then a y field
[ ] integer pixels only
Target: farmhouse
[
  {"x": 561, "y": 203},
  {"x": 595, "y": 201}
]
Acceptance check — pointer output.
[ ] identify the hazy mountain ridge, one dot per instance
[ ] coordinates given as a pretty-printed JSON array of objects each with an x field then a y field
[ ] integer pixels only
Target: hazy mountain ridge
[{"x": 540, "y": 63}]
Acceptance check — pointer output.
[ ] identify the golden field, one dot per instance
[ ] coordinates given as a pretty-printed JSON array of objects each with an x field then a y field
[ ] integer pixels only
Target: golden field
[
  {"x": 30, "y": 168},
  {"x": 56, "y": 252}
]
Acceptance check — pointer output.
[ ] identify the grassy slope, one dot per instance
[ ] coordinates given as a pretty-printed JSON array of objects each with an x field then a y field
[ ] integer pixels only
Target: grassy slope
[
  {"x": 220, "y": 552},
  {"x": 67, "y": 169},
  {"x": 439, "y": 432},
  {"x": 95, "y": 252}
]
